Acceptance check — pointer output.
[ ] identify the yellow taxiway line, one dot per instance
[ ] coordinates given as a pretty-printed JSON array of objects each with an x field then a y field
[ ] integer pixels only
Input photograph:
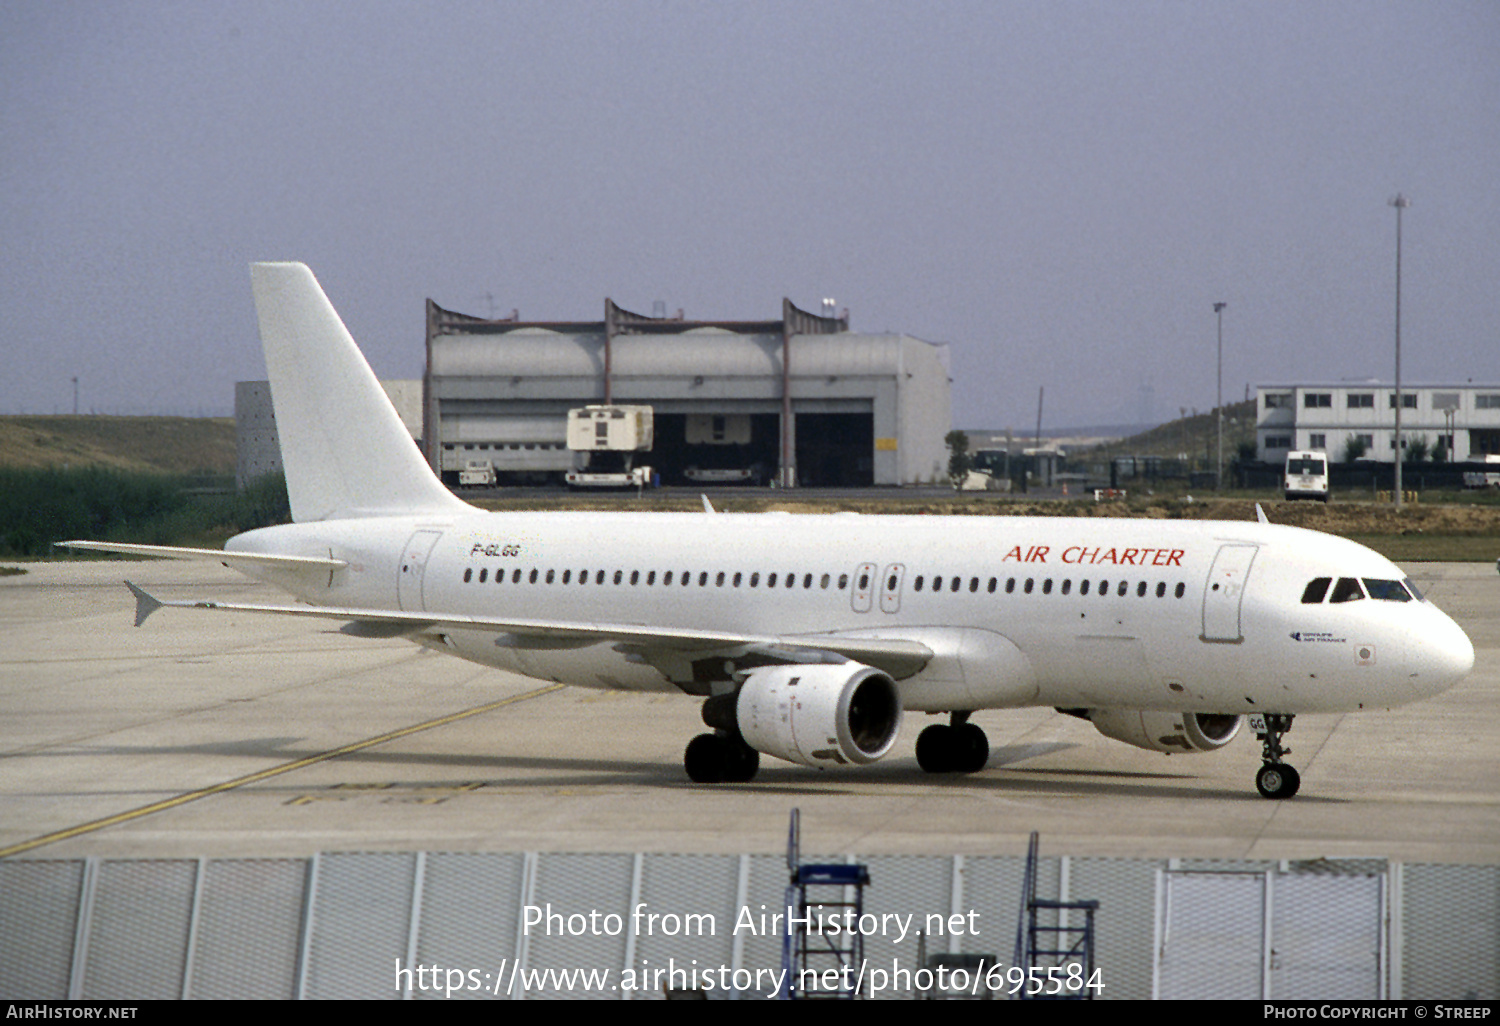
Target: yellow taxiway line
[{"x": 266, "y": 774}]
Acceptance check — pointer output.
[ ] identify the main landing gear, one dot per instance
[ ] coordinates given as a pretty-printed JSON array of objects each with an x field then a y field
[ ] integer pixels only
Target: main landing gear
[
  {"x": 722, "y": 757},
  {"x": 955, "y": 747},
  {"x": 1275, "y": 779}
]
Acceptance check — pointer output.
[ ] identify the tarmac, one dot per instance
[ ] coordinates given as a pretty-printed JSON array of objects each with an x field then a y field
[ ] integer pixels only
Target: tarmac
[{"x": 235, "y": 735}]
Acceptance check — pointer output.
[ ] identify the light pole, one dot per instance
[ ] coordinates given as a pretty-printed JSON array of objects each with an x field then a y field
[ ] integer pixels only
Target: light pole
[
  {"x": 1400, "y": 203},
  {"x": 1219, "y": 465}
]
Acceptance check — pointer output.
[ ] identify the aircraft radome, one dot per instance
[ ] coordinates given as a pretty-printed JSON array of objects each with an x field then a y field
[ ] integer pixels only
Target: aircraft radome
[{"x": 807, "y": 637}]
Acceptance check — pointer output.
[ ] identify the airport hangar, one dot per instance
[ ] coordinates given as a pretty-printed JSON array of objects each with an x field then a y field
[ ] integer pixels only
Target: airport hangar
[
  {"x": 797, "y": 401},
  {"x": 802, "y": 399}
]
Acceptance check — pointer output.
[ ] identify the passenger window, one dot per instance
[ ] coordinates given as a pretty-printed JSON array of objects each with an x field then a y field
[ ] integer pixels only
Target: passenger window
[
  {"x": 666, "y": 578},
  {"x": 955, "y": 583},
  {"x": 599, "y": 577},
  {"x": 843, "y": 581},
  {"x": 770, "y": 581},
  {"x": 551, "y": 576},
  {"x": 635, "y": 578},
  {"x": 864, "y": 581},
  {"x": 534, "y": 575},
  {"x": 917, "y": 584},
  {"x": 619, "y": 576},
  {"x": 719, "y": 580},
  {"x": 1316, "y": 590},
  {"x": 1010, "y": 585},
  {"x": 993, "y": 582},
  {"x": 468, "y": 575},
  {"x": 1067, "y": 585},
  {"x": 737, "y": 578},
  {"x": 1124, "y": 587},
  {"x": 825, "y": 581},
  {"x": 1103, "y": 589},
  {"x": 1180, "y": 589},
  {"x": 890, "y": 583},
  {"x": 807, "y": 581},
  {"x": 515, "y": 576},
  {"x": 1029, "y": 583},
  {"x": 973, "y": 584},
  {"x": 1347, "y": 590},
  {"x": 703, "y": 579},
  {"x": 651, "y": 578},
  {"x": 1047, "y": 586},
  {"x": 1389, "y": 591},
  {"x": 1140, "y": 590},
  {"x": 567, "y": 577},
  {"x": 1083, "y": 587},
  {"x": 1161, "y": 589}
]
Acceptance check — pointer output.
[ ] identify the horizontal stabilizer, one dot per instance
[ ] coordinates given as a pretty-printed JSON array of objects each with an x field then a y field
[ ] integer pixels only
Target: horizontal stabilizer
[
  {"x": 235, "y": 560},
  {"x": 145, "y": 604}
]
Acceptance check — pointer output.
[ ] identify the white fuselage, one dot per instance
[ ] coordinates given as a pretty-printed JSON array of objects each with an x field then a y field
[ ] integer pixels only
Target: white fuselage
[{"x": 1067, "y": 612}]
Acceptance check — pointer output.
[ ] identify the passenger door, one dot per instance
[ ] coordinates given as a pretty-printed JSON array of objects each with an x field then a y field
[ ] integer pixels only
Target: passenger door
[
  {"x": 412, "y": 569},
  {"x": 1224, "y": 593}
]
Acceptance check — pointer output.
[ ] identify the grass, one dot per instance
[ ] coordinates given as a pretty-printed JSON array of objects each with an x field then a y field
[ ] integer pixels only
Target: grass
[{"x": 39, "y": 507}]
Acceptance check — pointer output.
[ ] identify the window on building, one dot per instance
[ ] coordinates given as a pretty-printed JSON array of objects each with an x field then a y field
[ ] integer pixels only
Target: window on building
[
  {"x": 1408, "y": 400},
  {"x": 1317, "y": 400},
  {"x": 1317, "y": 441},
  {"x": 1361, "y": 400},
  {"x": 1485, "y": 401},
  {"x": 1278, "y": 400}
]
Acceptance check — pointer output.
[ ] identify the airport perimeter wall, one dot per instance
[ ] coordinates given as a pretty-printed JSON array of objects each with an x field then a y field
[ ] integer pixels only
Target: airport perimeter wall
[{"x": 345, "y": 925}]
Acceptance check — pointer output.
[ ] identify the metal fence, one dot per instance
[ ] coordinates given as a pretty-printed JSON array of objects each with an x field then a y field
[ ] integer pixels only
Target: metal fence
[{"x": 528, "y": 925}]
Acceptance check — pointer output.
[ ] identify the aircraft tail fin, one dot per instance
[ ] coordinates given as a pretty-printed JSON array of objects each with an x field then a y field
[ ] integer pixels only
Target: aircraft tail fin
[{"x": 343, "y": 446}]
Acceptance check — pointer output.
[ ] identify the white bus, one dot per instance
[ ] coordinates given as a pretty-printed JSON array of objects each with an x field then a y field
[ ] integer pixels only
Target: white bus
[{"x": 1306, "y": 475}]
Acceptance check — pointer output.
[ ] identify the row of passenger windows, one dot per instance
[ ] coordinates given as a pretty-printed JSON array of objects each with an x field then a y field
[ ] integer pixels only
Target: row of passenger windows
[
  {"x": 808, "y": 581},
  {"x": 1348, "y": 589},
  {"x": 650, "y": 578},
  {"x": 1045, "y": 586}
]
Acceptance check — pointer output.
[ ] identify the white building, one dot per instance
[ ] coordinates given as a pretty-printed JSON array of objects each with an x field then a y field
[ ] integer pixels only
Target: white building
[{"x": 1465, "y": 419}]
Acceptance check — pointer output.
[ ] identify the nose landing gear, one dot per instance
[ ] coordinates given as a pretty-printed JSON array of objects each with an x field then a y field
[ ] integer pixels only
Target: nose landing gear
[{"x": 1275, "y": 779}]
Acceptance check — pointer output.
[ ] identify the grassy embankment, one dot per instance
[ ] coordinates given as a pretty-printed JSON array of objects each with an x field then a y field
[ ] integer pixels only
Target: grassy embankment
[{"x": 156, "y": 480}]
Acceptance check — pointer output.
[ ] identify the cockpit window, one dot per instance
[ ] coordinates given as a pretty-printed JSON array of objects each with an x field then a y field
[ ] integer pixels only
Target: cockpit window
[
  {"x": 1411, "y": 586},
  {"x": 1390, "y": 591},
  {"x": 1316, "y": 589},
  {"x": 1347, "y": 590}
]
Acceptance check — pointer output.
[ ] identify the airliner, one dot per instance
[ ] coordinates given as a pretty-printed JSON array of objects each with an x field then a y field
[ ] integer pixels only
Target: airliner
[{"x": 808, "y": 637}]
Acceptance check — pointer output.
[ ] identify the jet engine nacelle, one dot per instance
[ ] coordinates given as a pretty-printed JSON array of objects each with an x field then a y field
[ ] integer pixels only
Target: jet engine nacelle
[
  {"x": 1167, "y": 731},
  {"x": 820, "y": 715}
]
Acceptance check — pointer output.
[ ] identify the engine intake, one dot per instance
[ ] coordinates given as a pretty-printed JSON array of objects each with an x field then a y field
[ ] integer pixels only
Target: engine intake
[
  {"x": 820, "y": 715},
  {"x": 1167, "y": 731}
]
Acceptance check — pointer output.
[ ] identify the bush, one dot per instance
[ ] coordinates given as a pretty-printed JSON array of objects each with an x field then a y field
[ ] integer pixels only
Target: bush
[{"x": 41, "y": 506}]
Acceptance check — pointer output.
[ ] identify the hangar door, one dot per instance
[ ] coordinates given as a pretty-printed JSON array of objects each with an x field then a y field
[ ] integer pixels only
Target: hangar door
[
  {"x": 1270, "y": 936},
  {"x": 835, "y": 450}
]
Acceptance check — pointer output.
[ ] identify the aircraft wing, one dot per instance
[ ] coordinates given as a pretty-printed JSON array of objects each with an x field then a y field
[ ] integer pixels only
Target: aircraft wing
[{"x": 669, "y": 649}]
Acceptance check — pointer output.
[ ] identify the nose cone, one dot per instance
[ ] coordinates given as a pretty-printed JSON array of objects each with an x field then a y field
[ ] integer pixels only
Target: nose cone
[{"x": 1439, "y": 655}]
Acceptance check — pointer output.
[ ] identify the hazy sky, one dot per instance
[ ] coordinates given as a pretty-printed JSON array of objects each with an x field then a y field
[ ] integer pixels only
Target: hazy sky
[{"x": 1061, "y": 190}]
